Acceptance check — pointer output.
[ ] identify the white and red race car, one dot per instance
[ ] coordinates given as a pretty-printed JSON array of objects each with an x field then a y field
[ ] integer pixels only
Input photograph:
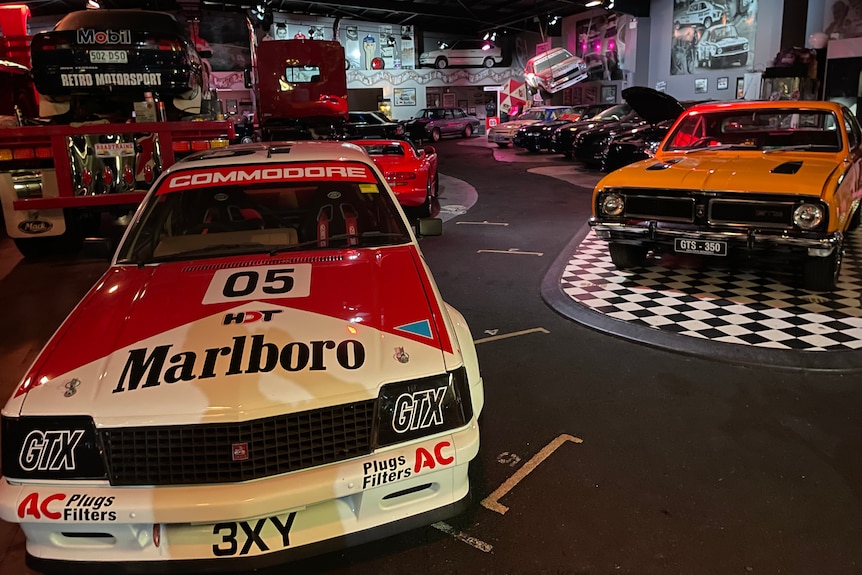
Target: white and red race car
[{"x": 265, "y": 372}]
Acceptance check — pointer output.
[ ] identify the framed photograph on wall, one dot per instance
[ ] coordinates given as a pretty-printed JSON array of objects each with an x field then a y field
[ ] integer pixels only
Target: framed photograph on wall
[
  {"x": 462, "y": 104},
  {"x": 609, "y": 95},
  {"x": 404, "y": 96},
  {"x": 721, "y": 83},
  {"x": 740, "y": 88},
  {"x": 449, "y": 100},
  {"x": 700, "y": 85}
]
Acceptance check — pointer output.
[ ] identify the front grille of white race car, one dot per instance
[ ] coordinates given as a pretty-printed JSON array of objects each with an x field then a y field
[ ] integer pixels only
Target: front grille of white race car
[{"x": 226, "y": 453}]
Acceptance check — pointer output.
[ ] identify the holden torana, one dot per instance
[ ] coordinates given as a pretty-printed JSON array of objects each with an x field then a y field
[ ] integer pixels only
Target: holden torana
[
  {"x": 266, "y": 371},
  {"x": 772, "y": 179}
]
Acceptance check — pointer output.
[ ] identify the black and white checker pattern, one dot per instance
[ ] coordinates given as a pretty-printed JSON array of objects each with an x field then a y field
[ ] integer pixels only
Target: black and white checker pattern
[{"x": 748, "y": 307}]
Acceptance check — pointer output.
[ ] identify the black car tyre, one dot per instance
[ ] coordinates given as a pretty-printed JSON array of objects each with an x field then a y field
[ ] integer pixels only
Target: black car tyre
[
  {"x": 468, "y": 131},
  {"x": 436, "y": 184},
  {"x": 855, "y": 219},
  {"x": 627, "y": 256},
  {"x": 707, "y": 23},
  {"x": 821, "y": 274},
  {"x": 502, "y": 144},
  {"x": 435, "y": 135},
  {"x": 488, "y": 63},
  {"x": 424, "y": 211},
  {"x": 441, "y": 63}
]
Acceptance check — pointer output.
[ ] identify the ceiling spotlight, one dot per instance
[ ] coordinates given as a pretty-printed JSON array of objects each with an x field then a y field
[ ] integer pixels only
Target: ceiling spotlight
[
  {"x": 93, "y": 5},
  {"x": 487, "y": 35},
  {"x": 593, "y": 3}
]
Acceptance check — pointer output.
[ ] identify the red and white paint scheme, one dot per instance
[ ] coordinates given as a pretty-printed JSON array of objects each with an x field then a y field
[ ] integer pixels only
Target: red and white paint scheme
[{"x": 266, "y": 370}]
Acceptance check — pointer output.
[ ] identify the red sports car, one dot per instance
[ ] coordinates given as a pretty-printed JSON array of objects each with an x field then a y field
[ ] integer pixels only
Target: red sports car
[{"x": 410, "y": 171}]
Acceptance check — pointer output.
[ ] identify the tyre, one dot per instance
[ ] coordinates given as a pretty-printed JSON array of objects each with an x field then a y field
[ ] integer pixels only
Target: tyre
[
  {"x": 627, "y": 256},
  {"x": 468, "y": 131},
  {"x": 707, "y": 23},
  {"x": 435, "y": 135},
  {"x": 441, "y": 63},
  {"x": 502, "y": 144},
  {"x": 855, "y": 219},
  {"x": 424, "y": 210},
  {"x": 821, "y": 274},
  {"x": 436, "y": 184},
  {"x": 488, "y": 63}
]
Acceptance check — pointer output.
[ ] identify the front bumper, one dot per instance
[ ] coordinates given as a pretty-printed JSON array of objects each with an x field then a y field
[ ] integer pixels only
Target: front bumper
[
  {"x": 655, "y": 235},
  {"x": 500, "y": 137},
  {"x": 227, "y": 527}
]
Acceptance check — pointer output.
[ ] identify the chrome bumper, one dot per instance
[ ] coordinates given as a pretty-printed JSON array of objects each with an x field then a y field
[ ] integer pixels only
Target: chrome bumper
[{"x": 747, "y": 239}]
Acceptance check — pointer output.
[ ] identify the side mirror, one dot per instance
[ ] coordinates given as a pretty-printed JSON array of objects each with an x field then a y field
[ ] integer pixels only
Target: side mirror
[
  {"x": 429, "y": 227},
  {"x": 98, "y": 248},
  {"x": 205, "y": 53},
  {"x": 246, "y": 76}
]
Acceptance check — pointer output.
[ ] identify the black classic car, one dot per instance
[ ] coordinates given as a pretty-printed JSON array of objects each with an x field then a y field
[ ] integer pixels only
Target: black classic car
[
  {"x": 563, "y": 138},
  {"x": 590, "y": 144},
  {"x": 372, "y": 124},
  {"x": 536, "y": 137},
  {"x": 660, "y": 110}
]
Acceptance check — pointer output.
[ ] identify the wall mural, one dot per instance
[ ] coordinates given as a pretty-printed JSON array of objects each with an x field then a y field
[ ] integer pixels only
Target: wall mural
[
  {"x": 712, "y": 35},
  {"x": 843, "y": 19}
]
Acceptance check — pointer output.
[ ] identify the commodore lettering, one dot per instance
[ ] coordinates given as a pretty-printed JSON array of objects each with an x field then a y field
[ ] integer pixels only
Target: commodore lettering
[{"x": 151, "y": 367}]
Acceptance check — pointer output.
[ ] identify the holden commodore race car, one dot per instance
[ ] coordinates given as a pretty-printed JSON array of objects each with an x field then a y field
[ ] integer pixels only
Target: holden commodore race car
[
  {"x": 410, "y": 171},
  {"x": 776, "y": 181},
  {"x": 266, "y": 370}
]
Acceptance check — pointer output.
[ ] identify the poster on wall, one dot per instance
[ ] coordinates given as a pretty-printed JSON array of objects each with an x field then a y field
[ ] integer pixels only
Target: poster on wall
[
  {"x": 597, "y": 45},
  {"x": 711, "y": 35},
  {"x": 227, "y": 36},
  {"x": 388, "y": 47},
  {"x": 408, "y": 53},
  {"x": 351, "y": 48},
  {"x": 843, "y": 19}
]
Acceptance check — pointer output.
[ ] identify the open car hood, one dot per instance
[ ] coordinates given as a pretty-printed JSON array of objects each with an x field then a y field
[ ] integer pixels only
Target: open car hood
[{"x": 652, "y": 105}]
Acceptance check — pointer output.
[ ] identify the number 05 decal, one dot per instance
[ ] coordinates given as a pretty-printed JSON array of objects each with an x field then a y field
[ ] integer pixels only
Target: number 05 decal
[{"x": 257, "y": 283}]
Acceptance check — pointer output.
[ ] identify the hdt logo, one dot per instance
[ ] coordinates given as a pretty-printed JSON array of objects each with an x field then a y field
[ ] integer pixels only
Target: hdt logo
[{"x": 250, "y": 316}]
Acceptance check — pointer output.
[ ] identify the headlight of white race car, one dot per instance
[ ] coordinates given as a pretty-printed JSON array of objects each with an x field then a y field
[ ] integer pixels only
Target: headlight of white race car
[{"x": 413, "y": 409}]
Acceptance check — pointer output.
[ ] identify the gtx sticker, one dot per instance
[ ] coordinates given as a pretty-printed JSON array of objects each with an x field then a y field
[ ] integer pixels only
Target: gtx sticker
[
  {"x": 261, "y": 282},
  {"x": 49, "y": 450},
  {"x": 250, "y": 316},
  {"x": 78, "y": 507},
  {"x": 251, "y": 535},
  {"x": 418, "y": 410},
  {"x": 89, "y": 36},
  {"x": 191, "y": 179},
  {"x": 380, "y": 472},
  {"x": 146, "y": 368},
  {"x": 124, "y": 79}
]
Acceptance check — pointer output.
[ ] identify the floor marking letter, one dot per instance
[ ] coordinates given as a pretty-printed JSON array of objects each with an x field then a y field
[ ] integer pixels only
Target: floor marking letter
[
  {"x": 472, "y": 541},
  {"x": 492, "y": 502},
  {"x": 510, "y": 251},
  {"x": 513, "y": 334},
  {"x": 485, "y": 223}
]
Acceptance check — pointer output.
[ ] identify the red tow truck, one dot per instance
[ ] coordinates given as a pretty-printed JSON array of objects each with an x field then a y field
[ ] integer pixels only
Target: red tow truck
[{"x": 59, "y": 176}]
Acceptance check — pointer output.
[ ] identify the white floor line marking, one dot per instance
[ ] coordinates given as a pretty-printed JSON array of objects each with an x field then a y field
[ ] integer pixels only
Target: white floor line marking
[
  {"x": 513, "y": 334},
  {"x": 472, "y": 541},
  {"x": 511, "y": 251},
  {"x": 485, "y": 223},
  {"x": 492, "y": 502}
]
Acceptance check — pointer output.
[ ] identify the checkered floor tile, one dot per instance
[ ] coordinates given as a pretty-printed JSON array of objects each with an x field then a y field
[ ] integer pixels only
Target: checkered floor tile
[{"x": 751, "y": 307}]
